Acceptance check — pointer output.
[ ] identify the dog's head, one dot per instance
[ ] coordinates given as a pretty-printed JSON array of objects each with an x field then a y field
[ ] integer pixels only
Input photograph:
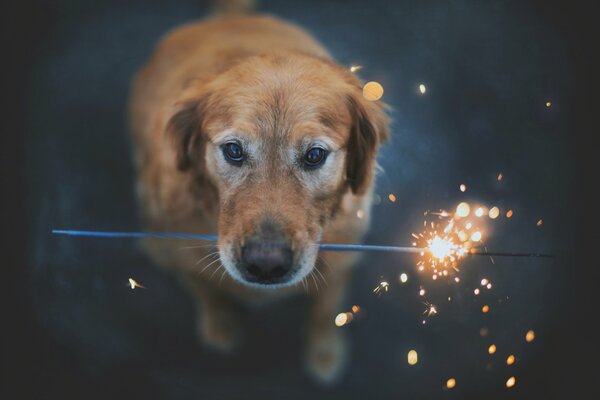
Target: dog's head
[{"x": 282, "y": 140}]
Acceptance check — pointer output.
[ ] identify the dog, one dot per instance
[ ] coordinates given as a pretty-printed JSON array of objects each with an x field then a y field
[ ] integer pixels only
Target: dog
[{"x": 243, "y": 125}]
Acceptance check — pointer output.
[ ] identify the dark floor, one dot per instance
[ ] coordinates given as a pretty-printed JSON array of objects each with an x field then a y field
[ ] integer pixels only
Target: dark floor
[{"x": 489, "y": 68}]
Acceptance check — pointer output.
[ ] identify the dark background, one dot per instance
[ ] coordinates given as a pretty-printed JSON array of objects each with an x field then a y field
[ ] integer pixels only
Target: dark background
[{"x": 74, "y": 329}]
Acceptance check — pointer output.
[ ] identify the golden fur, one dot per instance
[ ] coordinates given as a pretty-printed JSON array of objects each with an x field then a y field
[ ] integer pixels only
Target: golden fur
[{"x": 270, "y": 84}]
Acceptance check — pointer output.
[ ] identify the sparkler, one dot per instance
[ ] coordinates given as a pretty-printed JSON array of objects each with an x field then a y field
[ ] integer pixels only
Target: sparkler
[{"x": 322, "y": 247}]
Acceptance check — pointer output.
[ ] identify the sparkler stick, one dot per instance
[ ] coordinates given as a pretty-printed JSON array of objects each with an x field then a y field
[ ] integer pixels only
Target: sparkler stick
[{"x": 322, "y": 247}]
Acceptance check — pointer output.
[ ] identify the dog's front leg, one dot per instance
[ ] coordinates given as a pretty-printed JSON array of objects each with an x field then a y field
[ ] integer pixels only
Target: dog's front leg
[
  {"x": 217, "y": 317},
  {"x": 327, "y": 348}
]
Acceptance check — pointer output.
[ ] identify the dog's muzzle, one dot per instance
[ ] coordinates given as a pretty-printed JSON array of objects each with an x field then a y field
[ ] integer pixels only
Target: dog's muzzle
[{"x": 266, "y": 261}]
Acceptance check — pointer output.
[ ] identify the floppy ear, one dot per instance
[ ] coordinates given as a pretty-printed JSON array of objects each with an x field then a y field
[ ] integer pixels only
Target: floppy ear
[
  {"x": 184, "y": 131},
  {"x": 368, "y": 130}
]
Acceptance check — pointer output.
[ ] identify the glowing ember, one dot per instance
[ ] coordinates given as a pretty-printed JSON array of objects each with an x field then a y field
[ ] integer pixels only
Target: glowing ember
[
  {"x": 510, "y": 360},
  {"x": 463, "y": 210},
  {"x": 372, "y": 91},
  {"x": 355, "y": 309},
  {"x": 511, "y": 382},
  {"x": 492, "y": 349},
  {"x": 403, "y": 278},
  {"x": 530, "y": 336},
  {"x": 430, "y": 311},
  {"x": 500, "y": 176},
  {"x": 392, "y": 198},
  {"x": 485, "y": 309},
  {"x": 133, "y": 284},
  {"x": 494, "y": 212},
  {"x": 341, "y": 319},
  {"x": 540, "y": 222},
  {"x": 382, "y": 287},
  {"x": 509, "y": 213},
  {"x": 422, "y": 88},
  {"x": 412, "y": 357},
  {"x": 451, "y": 383}
]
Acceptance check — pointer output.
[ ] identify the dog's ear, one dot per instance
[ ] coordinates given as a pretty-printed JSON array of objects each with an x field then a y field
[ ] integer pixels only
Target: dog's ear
[
  {"x": 184, "y": 131},
  {"x": 368, "y": 130}
]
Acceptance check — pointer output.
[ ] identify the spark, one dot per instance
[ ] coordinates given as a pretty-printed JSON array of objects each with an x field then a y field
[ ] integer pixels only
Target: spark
[
  {"x": 463, "y": 187},
  {"x": 484, "y": 282},
  {"x": 412, "y": 357},
  {"x": 510, "y": 360},
  {"x": 431, "y": 310},
  {"x": 511, "y": 382},
  {"x": 509, "y": 213},
  {"x": 530, "y": 336},
  {"x": 341, "y": 319},
  {"x": 485, "y": 309},
  {"x": 500, "y": 176},
  {"x": 403, "y": 277},
  {"x": 133, "y": 284},
  {"x": 421, "y": 292},
  {"x": 548, "y": 104},
  {"x": 451, "y": 383},
  {"x": 476, "y": 291},
  {"x": 463, "y": 210},
  {"x": 355, "y": 309},
  {"x": 492, "y": 349},
  {"x": 540, "y": 222},
  {"x": 372, "y": 91},
  {"x": 382, "y": 287},
  {"x": 479, "y": 212},
  {"x": 355, "y": 68},
  {"x": 422, "y": 88},
  {"x": 494, "y": 212},
  {"x": 392, "y": 197}
]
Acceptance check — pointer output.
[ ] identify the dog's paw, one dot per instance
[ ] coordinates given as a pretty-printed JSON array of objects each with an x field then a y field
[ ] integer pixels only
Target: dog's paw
[
  {"x": 327, "y": 356},
  {"x": 220, "y": 332}
]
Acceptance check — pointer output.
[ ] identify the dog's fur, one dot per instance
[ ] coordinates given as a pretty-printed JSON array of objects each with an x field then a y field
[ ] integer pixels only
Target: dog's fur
[{"x": 271, "y": 85}]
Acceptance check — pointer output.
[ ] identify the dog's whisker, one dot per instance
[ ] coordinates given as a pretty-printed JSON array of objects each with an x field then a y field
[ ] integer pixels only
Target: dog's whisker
[
  {"x": 314, "y": 280},
  {"x": 206, "y": 267},
  {"x": 326, "y": 263},
  {"x": 321, "y": 275},
  {"x": 222, "y": 276},
  {"x": 214, "y": 272},
  {"x": 206, "y": 256}
]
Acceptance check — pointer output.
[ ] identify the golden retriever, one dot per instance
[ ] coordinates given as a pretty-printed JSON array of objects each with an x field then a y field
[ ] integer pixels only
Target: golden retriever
[{"x": 244, "y": 126}]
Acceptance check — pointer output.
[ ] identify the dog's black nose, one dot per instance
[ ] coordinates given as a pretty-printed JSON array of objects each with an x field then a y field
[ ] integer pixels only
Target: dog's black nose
[{"x": 267, "y": 261}]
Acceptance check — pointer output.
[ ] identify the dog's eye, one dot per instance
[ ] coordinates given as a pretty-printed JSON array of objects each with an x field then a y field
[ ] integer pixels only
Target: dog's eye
[
  {"x": 314, "y": 157},
  {"x": 233, "y": 152}
]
